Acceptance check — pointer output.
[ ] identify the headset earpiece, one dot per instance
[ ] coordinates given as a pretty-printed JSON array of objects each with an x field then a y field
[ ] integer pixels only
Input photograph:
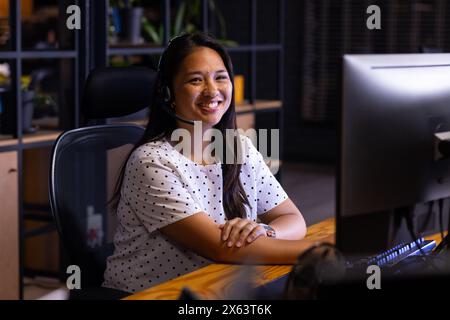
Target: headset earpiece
[
  {"x": 166, "y": 93},
  {"x": 164, "y": 90}
]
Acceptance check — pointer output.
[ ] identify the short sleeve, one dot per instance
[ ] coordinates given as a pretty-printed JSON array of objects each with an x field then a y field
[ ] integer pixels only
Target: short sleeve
[
  {"x": 156, "y": 192},
  {"x": 269, "y": 192}
]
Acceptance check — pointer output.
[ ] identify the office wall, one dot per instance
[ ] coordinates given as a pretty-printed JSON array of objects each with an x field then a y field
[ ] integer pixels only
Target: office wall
[{"x": 318, "y": 32}]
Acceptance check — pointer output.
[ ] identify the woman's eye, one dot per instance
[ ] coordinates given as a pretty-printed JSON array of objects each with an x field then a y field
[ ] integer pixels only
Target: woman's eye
[
  {"x": 195, "y": 80},
  {"x": 222, "y": 78}
]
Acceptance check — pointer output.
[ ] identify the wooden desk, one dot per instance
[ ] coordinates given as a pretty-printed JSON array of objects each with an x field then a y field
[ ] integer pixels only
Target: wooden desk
[{"x": 214, "y": 281}]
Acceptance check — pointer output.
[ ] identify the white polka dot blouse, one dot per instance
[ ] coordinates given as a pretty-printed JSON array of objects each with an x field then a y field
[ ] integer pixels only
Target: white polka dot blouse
[{"x": 160, "y": 187}]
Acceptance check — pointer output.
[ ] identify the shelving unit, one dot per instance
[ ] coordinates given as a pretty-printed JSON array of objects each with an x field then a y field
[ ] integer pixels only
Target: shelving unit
[
  {"x": 16, "y": 146},
  {"x": 23, "y": 156}
]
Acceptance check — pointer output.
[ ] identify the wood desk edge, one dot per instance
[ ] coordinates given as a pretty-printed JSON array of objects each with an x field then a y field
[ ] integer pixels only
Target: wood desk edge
[{"x": 213, "y": 281}]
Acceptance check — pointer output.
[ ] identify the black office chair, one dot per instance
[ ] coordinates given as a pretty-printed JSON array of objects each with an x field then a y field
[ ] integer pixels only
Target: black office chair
[{"x": 84, "y": 168}]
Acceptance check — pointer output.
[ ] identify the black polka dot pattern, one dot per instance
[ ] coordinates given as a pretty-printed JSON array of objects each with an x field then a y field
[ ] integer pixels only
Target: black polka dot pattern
[{"x": 160, "y": 187}]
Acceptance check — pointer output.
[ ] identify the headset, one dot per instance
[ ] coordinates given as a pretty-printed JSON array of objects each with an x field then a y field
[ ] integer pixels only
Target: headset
[{"x": 165, "y": 90}]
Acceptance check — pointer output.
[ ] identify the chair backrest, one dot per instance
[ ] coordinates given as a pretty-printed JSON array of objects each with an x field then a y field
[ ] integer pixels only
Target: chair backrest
[
  {"x": 115, "y": 92},
  {"x": 85, "y": 166},
  {"x": 86, "y": 162}
]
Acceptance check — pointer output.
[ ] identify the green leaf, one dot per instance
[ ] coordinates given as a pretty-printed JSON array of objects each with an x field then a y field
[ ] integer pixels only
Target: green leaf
[
  {"x": 190, "y": 28},
  {"x": 196, "y": 9},
  {"x": 161, "y": 34},
  {"x": 179, "y": 18},
  {"x": 227, "y": 43},
  {"x": 213, "y": 7},
  {"x": 150, "y": 30}
]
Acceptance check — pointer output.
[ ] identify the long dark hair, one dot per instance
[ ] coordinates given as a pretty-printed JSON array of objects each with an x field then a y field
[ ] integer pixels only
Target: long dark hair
[{"x": 161, "y": 124}]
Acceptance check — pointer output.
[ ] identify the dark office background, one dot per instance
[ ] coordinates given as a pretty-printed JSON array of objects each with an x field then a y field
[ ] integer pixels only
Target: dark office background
[{"x": 317, "y": 33}]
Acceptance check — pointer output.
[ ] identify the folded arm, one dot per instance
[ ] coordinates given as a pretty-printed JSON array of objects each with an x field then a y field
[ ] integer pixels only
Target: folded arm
[{"x": 200, "y": 234}]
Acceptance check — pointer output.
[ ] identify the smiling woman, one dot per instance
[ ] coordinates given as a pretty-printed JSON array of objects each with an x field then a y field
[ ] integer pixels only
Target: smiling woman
[{"x": 177, "y": 213}]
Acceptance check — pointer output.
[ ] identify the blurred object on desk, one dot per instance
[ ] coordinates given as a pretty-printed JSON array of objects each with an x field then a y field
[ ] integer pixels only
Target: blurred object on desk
[{"x": 238, "y": 89}]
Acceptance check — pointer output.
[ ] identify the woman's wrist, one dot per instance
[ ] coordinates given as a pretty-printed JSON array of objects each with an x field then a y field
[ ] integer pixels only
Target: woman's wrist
[{"x": 270, "y": 232}]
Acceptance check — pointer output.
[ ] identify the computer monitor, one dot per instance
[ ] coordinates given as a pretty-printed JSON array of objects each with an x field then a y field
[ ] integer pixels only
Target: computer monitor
[{"x": 394, "y": 155}]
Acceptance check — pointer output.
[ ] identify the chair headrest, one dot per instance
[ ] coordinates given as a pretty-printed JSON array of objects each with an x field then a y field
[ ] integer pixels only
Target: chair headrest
[{"x": 117, "y": 91}]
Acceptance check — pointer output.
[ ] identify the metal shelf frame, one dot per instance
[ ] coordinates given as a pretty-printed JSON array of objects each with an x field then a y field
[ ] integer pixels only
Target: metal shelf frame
[
  {"x": 15, "y": 56},
  {"x": 91, "y": 50}
]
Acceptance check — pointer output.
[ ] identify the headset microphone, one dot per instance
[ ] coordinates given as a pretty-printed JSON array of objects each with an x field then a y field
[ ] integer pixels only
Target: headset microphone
[
  {"x": 169, "y": 110},
  {"x": 177, "y": 117}
]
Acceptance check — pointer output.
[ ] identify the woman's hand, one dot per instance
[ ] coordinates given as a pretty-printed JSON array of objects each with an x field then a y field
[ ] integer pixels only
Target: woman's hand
[{"x": 240, "y": 231}]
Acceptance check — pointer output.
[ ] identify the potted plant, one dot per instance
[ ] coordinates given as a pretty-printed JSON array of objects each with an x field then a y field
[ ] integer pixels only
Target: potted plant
[
  {"x": 187, "y": 20},
  {"x": 35, "y": 102},
  {"x": 28, "y": 96}
]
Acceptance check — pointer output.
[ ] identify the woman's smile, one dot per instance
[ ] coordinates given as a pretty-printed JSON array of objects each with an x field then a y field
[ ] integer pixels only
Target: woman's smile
[{"x": 210, "y": 106}]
